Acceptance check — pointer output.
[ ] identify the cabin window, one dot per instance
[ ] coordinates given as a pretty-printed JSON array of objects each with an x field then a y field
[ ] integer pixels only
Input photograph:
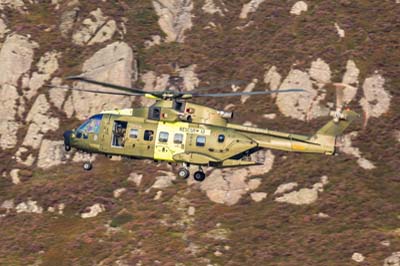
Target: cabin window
[
  {"x": 133, "y": 133},
  {"x": 148, "y": 135},
  {"x": 163, "y": 137},
  {"x": 119, "y": 131},
  {"x": 178, "y": 138},
  {"x": 221, "y": 138},
  {"x": 200, "y": 141},
  {"x": 154, "y": 113}
]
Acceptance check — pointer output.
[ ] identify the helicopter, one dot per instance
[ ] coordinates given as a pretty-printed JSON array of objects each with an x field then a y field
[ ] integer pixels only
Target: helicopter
[{"x": 178, "y": 131}]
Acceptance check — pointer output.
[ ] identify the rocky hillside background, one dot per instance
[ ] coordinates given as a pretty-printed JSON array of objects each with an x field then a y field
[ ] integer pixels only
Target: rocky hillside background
[{"x": 295, "y": 209}]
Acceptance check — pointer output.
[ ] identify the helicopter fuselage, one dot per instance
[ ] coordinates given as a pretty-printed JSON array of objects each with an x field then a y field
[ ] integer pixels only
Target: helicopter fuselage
[{"x": 187, "y": 133}]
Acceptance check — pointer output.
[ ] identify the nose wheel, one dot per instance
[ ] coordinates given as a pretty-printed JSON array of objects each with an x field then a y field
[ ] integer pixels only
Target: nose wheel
[{"x": 87, "y": 166}]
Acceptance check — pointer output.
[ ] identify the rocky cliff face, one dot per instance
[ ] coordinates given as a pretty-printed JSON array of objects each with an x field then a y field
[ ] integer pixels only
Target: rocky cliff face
[{"x": 293, "y": 208}]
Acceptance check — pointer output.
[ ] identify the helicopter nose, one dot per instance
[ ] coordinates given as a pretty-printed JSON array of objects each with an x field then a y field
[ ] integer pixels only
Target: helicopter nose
[{"x": 67, "y": 140}]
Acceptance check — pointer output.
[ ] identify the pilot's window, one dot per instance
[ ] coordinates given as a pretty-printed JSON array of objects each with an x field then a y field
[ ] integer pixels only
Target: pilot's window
[
  {"x": 92, "y": 125},
  {"x": 163, "y": 137},
  {"x": 201, "y": 141},
  {"x": 133, "y": 133},
  {"x": 148, "y": 135},
  {"x": 221, "y": 138},
  {"x": 178, "y": 138}
]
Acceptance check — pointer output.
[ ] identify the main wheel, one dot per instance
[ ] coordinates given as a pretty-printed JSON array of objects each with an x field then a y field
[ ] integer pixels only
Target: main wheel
[
  {"x": 199, "y": 176},
  {"x": 183, "y": 173},
  {"x": 87, "y": 166}
]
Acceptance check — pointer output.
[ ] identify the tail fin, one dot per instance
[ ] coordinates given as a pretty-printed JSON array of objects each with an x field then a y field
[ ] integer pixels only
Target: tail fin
[
  {"x": 326, "y": 136},
  {"x": 333, "y": 128}
]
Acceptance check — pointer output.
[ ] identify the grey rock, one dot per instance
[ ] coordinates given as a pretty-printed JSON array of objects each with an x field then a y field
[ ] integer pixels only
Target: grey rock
[
  {"x": 174, "y": 18},
  {"x": 94, "y": 210},
  {"x": 113, "y": 64},
  {"x": 392, "y": 260}
]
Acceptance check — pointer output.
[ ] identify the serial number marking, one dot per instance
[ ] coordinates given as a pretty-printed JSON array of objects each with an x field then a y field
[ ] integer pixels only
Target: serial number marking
[{"x": 195, "y": 131}]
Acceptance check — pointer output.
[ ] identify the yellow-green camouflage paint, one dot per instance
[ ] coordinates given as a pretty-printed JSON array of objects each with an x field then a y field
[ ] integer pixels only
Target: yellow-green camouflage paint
[{"x": 166, "y": 150}]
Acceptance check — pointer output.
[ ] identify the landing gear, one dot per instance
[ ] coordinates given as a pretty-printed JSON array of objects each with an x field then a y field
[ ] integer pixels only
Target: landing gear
[
  {"x": 87, "y": 166},
  {"x": 199, "y": 176},
  {"x": 183, "y": 173}
]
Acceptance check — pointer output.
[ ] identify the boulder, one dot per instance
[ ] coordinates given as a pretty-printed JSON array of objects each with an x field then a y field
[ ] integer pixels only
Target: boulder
[
  {"x": 68, "y": 19},
  {"x": 113, "y": 64},
  {"x": 16, "y": 57},
  {"x": 8, "y": 205},
  {"x": 285, "y": 188},
  {"x": 320, "y": 71},
  {"x": 346, "y": 147},
  {"x": 392, "y": 260},
  {"x": 175, "y": 18},
  {"x": 164, "y": 181},
  {"x": 304, "y": 195},
  {"x": 158, "y": 195},
  {"x": 296, "y": 105},
  {"x": 191, "y": 211},
  {"x": 51, "y": 153},
  {"x": 358, "y": 257},
  {"x": 258, "y": 196},
  {"x": 250, "y": 7},
  {"x": 29, "y": 207},
  {"x": 16, "y": 4},
  {"x": 227, "y": 186},
  {"x": 155, "y": 40},
  {"x": 47, "y": 65},
  {"x": 350, "y": 77},
  {"x": 300, "y": 197},
  {"x": 93, "y": 211},
  {"x": 298, "y": 8},
  {"x": 135, "y": 178},
  {"x": 3, "y": 28},
  {"x": 15, "y": 176},
  {"x": 339, "y": 30},
  {"x": 57, "y": 96},
  {"x": 118, "y": 192},
  {"x": 97, "y": 29},
  {"x": 273, "y": 79},
  {"x": 211, "y": 8},
  {"x": 40, "y": 122},
  {"x": 250, "y": 87},
  {"x": 376, "y": 100}
]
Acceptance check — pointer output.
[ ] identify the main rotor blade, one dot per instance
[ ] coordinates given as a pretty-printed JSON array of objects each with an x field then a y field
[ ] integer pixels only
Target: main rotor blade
[
  {"x": 219, "y": 86},
  {"x": 110, "y": 85},
  {"x": 93, "y": 91},
  {"x": 226, "y": 94}
]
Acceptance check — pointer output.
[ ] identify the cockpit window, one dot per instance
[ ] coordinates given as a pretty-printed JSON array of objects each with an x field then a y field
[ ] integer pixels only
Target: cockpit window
[{"x": 92, "y": 125}]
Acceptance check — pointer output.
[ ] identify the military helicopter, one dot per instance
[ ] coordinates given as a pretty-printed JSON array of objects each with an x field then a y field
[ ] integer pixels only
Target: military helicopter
[{"x": 177, "y": 131}]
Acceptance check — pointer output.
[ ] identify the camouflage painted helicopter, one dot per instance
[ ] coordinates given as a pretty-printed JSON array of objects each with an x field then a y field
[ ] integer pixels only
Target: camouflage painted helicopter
[{"x": 182, "y": 132}]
